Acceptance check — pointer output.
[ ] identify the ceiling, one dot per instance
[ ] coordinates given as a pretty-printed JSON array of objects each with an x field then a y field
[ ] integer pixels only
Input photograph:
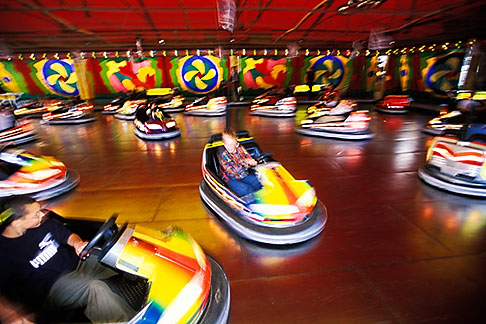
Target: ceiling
[{"x": 114, "y": 25}]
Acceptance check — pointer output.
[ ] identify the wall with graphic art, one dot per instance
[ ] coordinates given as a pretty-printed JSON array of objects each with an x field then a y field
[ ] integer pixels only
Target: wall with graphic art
[{"x": 429, "y": 73}]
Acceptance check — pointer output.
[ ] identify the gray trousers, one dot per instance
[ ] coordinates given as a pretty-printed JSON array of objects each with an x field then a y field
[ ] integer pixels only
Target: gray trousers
[{"x": 83, "y": 288}]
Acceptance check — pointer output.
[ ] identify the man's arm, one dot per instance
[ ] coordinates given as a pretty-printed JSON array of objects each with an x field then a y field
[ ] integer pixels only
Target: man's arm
[
  {"x": 248, "y": 159},
  {"x": 76, "y": 242}
]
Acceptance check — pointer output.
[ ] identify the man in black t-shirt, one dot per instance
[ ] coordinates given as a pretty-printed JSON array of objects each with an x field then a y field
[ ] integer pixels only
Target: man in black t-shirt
[{"x": 39, "y": 261}]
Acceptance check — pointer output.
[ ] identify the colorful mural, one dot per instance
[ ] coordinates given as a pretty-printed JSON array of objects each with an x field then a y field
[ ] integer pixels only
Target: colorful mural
[
  {"x": 264, "y": 73},
  {"x": 9, "y": 78},
  {"x": 434, "y": 72},
  {"x": 404, "y": 72},
  {"x": 333, "y": 70},
  {"x": 441, "y": 73},
  {"x": 197, "y": 74},
  {"x": 57, "y": 76},
  {"x": 122, "y": 75},
  {"x": 370, "y": 76}
]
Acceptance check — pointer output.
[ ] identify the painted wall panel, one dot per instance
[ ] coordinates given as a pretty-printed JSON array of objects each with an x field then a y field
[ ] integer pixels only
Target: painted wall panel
[{"x": 429, "y": 72}]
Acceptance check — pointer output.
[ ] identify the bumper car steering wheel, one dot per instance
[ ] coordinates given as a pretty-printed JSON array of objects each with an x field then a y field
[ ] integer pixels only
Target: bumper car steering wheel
[
  {"x": 263, "y": 157},
  {"x": 107, "y": 229}
]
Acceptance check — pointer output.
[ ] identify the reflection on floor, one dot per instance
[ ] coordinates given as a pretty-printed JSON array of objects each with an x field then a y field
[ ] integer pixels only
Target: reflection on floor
[{"x": 394, "y": 249}]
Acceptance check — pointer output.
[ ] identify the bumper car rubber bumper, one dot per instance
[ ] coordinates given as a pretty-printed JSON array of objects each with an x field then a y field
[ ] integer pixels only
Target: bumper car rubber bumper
[
  {"x": 125, "y": 117},
  {"x": 158, "y": 136},
  {"x": 174, "y": 109},
  {"x": 392, "y": 111},
  {"x": 272, "y": 113},
  {"x": 21, "y": 138},
  {"x": 70, "y": 181},
  {"x": 431, "y": 131},
  {"x": 358, "y": 135},
  {"x": 70, "y": 121},
  {"x": 108, "y": 112},
  {"x": 452, "y": 184},
  {"x": 217, "y": 308},
  {"x": 310, "y": 228},
  {"x": 204, "y": 112}
]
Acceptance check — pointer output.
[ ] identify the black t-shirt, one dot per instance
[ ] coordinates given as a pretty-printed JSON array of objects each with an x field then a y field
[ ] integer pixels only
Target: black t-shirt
[{"x": 30, "y": 264}]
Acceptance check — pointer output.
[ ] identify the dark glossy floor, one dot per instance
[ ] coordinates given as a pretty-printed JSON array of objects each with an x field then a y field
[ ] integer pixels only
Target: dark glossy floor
[{"x": 394, "y": 250}]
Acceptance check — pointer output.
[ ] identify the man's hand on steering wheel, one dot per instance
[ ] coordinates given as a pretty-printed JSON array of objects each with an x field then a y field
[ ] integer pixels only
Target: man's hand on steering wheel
[
  {"x": 79, "y": 247},
  {"x": 99, "y": 237},
  {"x": 251, "y": 162},
  {"x": 77, "y": 243},
  {"x": 262, "y": 158}
]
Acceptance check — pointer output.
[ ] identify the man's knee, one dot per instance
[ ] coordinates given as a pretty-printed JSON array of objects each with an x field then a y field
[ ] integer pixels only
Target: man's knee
[{"x": 98, "y": 288}]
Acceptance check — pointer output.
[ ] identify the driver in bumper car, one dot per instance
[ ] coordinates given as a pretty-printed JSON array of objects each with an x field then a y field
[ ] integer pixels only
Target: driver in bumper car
[
  {"x": 41, "y": 259},
  {"x": 235, "y": 162}
]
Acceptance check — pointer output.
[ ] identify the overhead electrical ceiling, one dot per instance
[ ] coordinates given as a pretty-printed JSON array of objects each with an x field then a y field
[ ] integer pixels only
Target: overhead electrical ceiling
[{"x": 112, "y": 25}]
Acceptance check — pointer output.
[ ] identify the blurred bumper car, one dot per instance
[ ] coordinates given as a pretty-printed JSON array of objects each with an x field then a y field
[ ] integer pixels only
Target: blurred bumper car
[
  {"x": 13, "y": 131},
  {"x": 207, "y": 106},
  {"x": 453, "y": 120},
  {"x": 394, "y": 104},
  {"x": 456, "y": 160},
  {"x": 41, "y": 177},
  {"x": 274, "y": 104},
  {"x": 36, "y": 109},
  {"x": 129, "y": 109},
  {"x": 354, "y": 125},
  {"x": 79, "y": 113},
  {"x": 457, "y": 166},
  {"x": 167, "y": 99},
  {"x": 286, "y": 211},
  {"x": 468, "y": 111},
  {"x": 114, "y": 105}
]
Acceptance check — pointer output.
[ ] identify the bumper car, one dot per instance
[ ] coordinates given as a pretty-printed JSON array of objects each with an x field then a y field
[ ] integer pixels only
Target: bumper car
[
  {"x": 70, "y": 114},
  {"x": 394, "y": 104},
  {"x": 114, "y": 105},
  {"x": 118, "y": 103},
  {"x": 341, "y": 122},
  {"x": 41, "y": 177},
  {"x": 274, "y": 104},
  {"x": 456, "y": 160},
  {"x": 167, "y": 99},
  {"x": 164, "y": 276},
  {"x": 286, "y": 211},
  {"x": 344, "y": 107},
  {"x": 456, "y": 165},
  {"x": 154, "y": 124},
  {"x": 36, "y": 109},
  {"x": 207, "y": 106},
  {"x": 456, "y": 119},
  {"x": 129, "y": 109},
  {"x": 15, "y": 132},
  {"x": 453, "y": 120},
  {"x": 10, "y": 98}
]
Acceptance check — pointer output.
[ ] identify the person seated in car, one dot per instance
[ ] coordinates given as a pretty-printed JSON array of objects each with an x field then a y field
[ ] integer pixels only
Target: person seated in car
[
  {"x": 235, "y": 161},
  {"x": 329, "y": 94},
  {"x": 39, "y": 260}
]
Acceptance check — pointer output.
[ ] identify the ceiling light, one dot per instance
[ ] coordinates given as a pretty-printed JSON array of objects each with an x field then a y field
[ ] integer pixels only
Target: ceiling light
[
  {"x": 161, "y": 41},
  {"x": 353, "y": 6}
]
